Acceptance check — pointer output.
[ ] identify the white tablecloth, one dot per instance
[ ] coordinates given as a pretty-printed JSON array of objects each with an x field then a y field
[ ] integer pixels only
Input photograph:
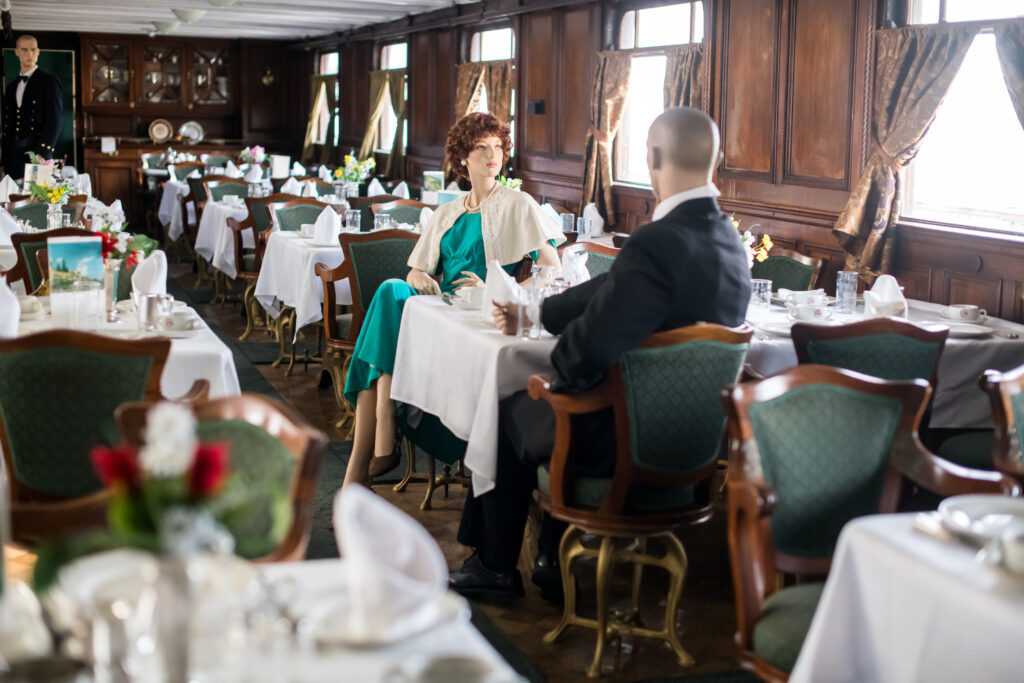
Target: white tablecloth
[
  {"x": 200, "y": 356},
  {"x": 901, "y": 606},
  {"x": 169, "y": 212},
  {"x": 959, "y": 403},
  {"x": 8, "y": 257},
  {"x": 215, "y": 240},
  {"x": 287, "y": 277},
  {"x": 453, "y": 364}
]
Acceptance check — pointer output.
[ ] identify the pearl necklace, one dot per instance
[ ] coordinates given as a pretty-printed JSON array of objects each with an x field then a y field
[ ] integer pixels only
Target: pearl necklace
[{"x": 475, "y": 209}]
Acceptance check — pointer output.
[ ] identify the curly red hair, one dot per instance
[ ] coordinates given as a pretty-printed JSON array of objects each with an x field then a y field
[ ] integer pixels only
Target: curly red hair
[{"x": 469, "y": 130}]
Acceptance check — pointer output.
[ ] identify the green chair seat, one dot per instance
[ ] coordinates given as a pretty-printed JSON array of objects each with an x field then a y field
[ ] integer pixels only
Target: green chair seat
[
  {"x": 780, "y": 632},
  {"x": 292, "y": 218},
  {"x": 783, "y": 272},
  {"x": 261, "y": 473},
  {"x": 591, "y": 491},
  {"x": 344, "y": 323},
  {"x": 972, "y": 450}
]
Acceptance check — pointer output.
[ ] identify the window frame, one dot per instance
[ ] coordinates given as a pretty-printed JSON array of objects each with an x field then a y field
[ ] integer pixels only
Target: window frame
[
  {"x": 467, "y": 52},
  {"x": 378, "y": 148}
]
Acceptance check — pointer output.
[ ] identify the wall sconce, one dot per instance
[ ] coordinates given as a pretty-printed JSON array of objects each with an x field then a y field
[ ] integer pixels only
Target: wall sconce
[{"x": 268, "y": 78}]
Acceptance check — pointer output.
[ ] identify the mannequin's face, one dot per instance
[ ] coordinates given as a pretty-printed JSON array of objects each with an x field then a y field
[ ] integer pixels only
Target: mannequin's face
[
  {"x": 484, "y": 161},
  {"x": 28, "y": 53}
]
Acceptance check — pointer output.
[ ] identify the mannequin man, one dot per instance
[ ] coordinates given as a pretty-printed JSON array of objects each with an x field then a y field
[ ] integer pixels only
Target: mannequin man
[{"x": 32, "y": 111}]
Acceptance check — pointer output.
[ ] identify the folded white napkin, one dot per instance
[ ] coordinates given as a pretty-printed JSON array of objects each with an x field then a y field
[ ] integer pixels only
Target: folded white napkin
[
  {"x": 254, "y": 174},
  {"x": 327, "y": 226},
  {"x": 574, "y": 265},
  {"x": 10, "y": 310},
  {"x": 596, "y": 222},
  {"x": 298, "y": 169},
  {"x": 68, "y": 172},
  {"x": 83, "y": 183},
  {"x": 401, "y": 190},
  {"x": 292, "y": 186},
  {"x": 395, "y": 571},
  {"x": 151, "y": 275},
  {"x": 550, "y": 213},
  {"x": 501, "y": 287},
  {"x": 309, "y": 189},
  {"x": 324, "y": 174},
  {"x": 452, "y": 187},
  {"x": 8, "y": 226},
  {"x": 425, "y": 214},
  {"x": 204, "y": 157},
  {"x": 7, "y": 188},
  {"x": 375, "y": 189},
  {"x": 884, "y": 299},
  {"x": 231, "y": 171}
]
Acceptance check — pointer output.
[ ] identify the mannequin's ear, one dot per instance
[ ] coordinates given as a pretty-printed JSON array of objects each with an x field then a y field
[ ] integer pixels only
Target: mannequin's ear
[{"x": 655, "y": 158}]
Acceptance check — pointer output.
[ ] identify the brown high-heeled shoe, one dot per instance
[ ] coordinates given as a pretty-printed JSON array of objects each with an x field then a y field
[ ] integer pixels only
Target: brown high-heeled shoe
[{"x": 382, "y": 464}]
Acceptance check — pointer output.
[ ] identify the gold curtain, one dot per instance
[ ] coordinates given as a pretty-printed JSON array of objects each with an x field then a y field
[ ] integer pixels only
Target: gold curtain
[
  {"x": 378, "y": 95},
  {"x": 396, "y": 161},
  {"x": 684, "y": 82},
  {"x": 499, "y": 81},
  {"x": 607, "y": 101},
  {"x": 914, "y": 67},
  {"x": 467, "y": 82},
  {"x": 1010, "y": 47},
  {"x": 318, "y": 90}
]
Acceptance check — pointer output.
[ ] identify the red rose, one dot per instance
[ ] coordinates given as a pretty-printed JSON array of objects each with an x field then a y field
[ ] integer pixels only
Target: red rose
[
  {"x": 117, "y": 466},
  {"x": 209, "y": 469}
]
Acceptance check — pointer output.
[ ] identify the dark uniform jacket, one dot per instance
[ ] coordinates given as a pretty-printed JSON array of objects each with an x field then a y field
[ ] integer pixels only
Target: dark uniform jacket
[{"x": 36, "y": 125}]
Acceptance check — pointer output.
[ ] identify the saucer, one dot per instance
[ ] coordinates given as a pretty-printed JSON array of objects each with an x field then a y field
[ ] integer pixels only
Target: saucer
[
  {"x": 980, "y": 517},
  {"x": 776, "y": 329},
  {"x": 981, "y": 320},
  {"x": 966, "y": 329},
  {"x": 38, "y": 315},
  {"x": 178, "y": 334},
  {"x": 821, "y": 321}
]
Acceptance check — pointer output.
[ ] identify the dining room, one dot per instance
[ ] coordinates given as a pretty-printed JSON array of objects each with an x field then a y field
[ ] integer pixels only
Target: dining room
[{"x": 515, "y": 340}]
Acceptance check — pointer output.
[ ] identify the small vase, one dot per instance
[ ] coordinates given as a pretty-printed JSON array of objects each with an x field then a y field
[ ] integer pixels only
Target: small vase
[
  {"x": 54, "y": 217},
  {"x": 351, "y": 189},
  {"x": 111, "y": 269}
]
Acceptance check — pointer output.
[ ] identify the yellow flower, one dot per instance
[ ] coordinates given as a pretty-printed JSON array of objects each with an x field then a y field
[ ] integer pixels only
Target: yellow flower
[
  {"x": 766, "y": 242},
  {"x": 735, "y": 222}
]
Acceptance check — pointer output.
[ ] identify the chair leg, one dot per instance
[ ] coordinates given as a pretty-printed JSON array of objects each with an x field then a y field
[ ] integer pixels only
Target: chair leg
[
  {"x": 202, "y": 271},
  {"x": 252, "y": 310},
  {"x": 638, "y": 572},
  {"x": 604, "y": 567},
  {"x": 284, "y": 323},
  {"x": 676, "y": 563},
  {"x": 410, "y": 467},
  {"x": 568, "y": 550},
  {"x": 431, "y": 470}
]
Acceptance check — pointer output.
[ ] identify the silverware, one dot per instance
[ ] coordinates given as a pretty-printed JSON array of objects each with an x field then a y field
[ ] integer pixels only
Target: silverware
[
  {"x": 447, "y": 298},
  {"x": 1006, "y": 334}
]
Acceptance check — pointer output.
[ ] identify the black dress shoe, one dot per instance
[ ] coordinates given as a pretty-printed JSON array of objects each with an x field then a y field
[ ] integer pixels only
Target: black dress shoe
[
  {"x": 547, "y": 576},
  {"x": 474, "y": 580}
]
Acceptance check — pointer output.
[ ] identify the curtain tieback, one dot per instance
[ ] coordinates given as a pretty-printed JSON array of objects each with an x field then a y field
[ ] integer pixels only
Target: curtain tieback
[
  {"x": 888, "y": 160},
  {"x": 600, "y": 135}
]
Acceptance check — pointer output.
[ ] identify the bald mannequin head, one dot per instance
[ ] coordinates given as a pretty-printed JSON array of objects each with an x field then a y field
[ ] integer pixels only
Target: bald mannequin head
[{"x": 682, "y": 151}]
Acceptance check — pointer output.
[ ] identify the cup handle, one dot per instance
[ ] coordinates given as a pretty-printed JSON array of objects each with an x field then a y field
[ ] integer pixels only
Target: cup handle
[{"x": 982, "y": 313}]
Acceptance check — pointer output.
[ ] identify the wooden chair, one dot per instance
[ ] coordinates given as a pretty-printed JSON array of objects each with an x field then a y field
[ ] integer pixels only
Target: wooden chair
[
  {"x": 181, "y": 170},
  {"x": 219, "y": 160},
  {"x": 26, "y": 244},
  {"x": 297, "y": 211},
  {"x": 788, "y": 269},
  {"x": 322, "y": 187},
  {"x": 277, "y": 456},
  {"x": 58, "y": 393},
  {"x": 364, "y": 205},
  {"x": 599, "y": 257},
  {"x": 810, "y": 449},
  {"x": 669, "y": 424},
  {"x": 619, "y": 239},
  {"x": 999, "y": 448},
  {"x": 34, "y": 213},
  {"x": 402, "y": 210},
  {"x": 218, "y": 186}
]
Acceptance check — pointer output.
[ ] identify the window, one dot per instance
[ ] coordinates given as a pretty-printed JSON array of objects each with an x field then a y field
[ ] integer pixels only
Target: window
[
  {"x": 489, "y": 46},
  {"x": 328, "y": 65},
  {"x": 967, "y": 171},
  {"x": 644, "y": 31},
  {"x": 394, "y": 56},
  {"x": 329, "y": 62}
]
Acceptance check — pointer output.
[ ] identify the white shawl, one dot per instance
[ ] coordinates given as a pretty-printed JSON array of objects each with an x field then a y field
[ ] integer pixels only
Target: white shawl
[{"x": 511, "y": 222}]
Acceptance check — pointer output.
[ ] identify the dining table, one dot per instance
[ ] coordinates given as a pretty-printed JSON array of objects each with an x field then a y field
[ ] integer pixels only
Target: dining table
[
  {"x": 215, "y": 239},
  {"x": 169, "y": 211},
  {"x": 900, "y": 605}
]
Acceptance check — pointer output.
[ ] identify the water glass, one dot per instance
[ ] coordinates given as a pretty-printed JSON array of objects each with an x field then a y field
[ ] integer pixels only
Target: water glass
[
  {"x": 760, "y": 299},
  {"x": 352, "y": 219},
  {"x": 583, "y": 227},
  {"x": 87, "y": 309},
  {"x": 66, "y": 219},
  {"x": 568, "y": 222},
  {"x": 846, "y": 291},
  {"x": 542, "y": 276},
  {"x": 381, "y": 221}
]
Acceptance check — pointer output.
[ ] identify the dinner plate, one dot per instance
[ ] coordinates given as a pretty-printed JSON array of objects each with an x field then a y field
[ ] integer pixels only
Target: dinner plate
[
  {"x": 980, "y": 517},
  {"x": 191, "y": 132},
  {"x": 179, "y": 334},
  {"x": 160, "y": 130},
  {"x": 964, "y": 329},
  {"x": 824, "y": 322},
  {"x": 38, "y": 315},
  {"x": 774, "y": 328},
  {"x": 95, "y": 577},
  {"x": 322, "y": 244}
]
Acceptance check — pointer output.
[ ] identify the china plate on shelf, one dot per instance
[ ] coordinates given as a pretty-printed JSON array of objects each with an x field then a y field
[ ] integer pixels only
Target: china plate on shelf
[
  {"x": 191, "y": 132},
  {"x": 160, "y": 130},
  {"x": 980, "y": 517}
]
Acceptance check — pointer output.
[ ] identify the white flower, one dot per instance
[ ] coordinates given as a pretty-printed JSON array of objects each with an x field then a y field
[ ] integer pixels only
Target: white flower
[
  {"x": 170, "y": 437},
  {"x": 123, "y": 239}
]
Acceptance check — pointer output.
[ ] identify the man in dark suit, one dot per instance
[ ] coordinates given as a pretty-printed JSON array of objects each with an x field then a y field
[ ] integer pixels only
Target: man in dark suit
[
  {"x": 687, "y": 265},
  {"x": 32, "y": 111}
]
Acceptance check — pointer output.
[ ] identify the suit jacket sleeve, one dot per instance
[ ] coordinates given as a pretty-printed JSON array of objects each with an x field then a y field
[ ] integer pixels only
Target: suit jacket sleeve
[
  {"x": 52, "y": 110},
  {"x": 558, "y": 311},
  {"x": 624, "y": 307}
]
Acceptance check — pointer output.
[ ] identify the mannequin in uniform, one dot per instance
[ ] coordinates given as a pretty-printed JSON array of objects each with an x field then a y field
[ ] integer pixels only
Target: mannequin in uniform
[{"x": 32, "y": 111}]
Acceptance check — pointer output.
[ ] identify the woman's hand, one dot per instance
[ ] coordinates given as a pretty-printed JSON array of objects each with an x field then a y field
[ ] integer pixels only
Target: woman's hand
[
  {"x": 506, "y": 317},
  {"x": 470, "y": 279},
  {"x": 422, "y": 283}
]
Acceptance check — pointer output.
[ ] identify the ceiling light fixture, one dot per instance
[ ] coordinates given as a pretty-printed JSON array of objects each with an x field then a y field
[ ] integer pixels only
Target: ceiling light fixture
[
  {"x": 166, "y": 26},
  {"x": 189, "y": 15},
  {"x": 221, "y": 3}
]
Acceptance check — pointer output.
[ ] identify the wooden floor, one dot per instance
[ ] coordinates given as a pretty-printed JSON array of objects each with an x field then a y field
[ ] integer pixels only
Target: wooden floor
[{"x": 706, "y": 618}]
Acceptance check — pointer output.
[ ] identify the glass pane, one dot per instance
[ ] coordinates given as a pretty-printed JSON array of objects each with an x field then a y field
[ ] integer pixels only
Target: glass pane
[
  {"x": 698, "y": 22},
  {"x": 643, "y": 104},
  {"x": 924, "y": 11},
  {"x": 329, "y": 64},
  {"x": 393, "y": 56},
  {"x": 973, "y": 10},
  {"x": 474, "y": 48},
  {"x": 968, "y": 170},
  {"x": 496, "y": 44},
  {"x": 627, "y": 31},
  {"x": 667, "y": 25},
  {"x": 109, "y": 73},
  {"x": 388, "y": 125},
  {"x": 481, "y": 99},
  {"x": 161, "y": 75},
  {"x": 210, "y": 76}
]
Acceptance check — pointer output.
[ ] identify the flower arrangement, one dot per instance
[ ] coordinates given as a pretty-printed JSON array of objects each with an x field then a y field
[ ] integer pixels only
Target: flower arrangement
[
  {"x": 49, "y": 193},
  {"x": 253, "y": 155},
  {"x": 511, "y": 183},
  {"x": 108, "y": 222},
  {"x": 354, "y": 171},
  {"x": 756, "y": 250}
]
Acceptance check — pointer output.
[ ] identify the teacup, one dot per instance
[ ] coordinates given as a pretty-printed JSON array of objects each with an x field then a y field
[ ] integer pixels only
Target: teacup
[
  {"x": 471, "y": 297},
  {"x": 307, "y": 229},
  {"x": 814, "y": 297},
  {"x": 1012, "y": 544},
  {"x": 30, "y": 305},
  {"x": 965, "y": 312},
  {"x": 231, "y": 199},
  {"x": 179, "y": 321},
  {"x": 811, "y": 313}
]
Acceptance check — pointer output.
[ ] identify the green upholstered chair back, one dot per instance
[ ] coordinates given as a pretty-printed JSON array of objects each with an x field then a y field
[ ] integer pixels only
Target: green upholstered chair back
[
  {"x": 598, "y": 263},
  {"x": 218, "y": 160},
  {"x": 33, "y": 213},
  {"x": 824, "y": 449},
  {"x": 375, "y": 261},
  {"x": 198, "y": 189},
  {"x": 784, "y": 271},
  {"x": 1016, "y": 436},
  {"x": 260, "y": 216},
  {"x": 672, "y": 394},
  {"x": 153, "y": 160},
  {"x": 323, "y": 187},
  {"x": 179, "y": 172},
  {"x": 57, "y": 404},
  {"x": 28, "y": 251},
  {"x": 263, "y": 470},
  {"x": 278, "y": 183},
  {"x": 124, "y": 280},
  {"x": 239, "y": 189},
  {"x": 888, "y": 356},
  {"x": 291, "y": 218},
  {"x": 403, "y": 214}
]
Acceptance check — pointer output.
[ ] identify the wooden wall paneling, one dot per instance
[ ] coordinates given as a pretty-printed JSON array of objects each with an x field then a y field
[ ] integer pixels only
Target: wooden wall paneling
[
  {"x": 356, "y": 63},
  {"x": 819, "y": 88},
  {"x": 750, "y": 86},
  {"x": 443, "y": 87},
  {"x": 537, "y": 56},
  {"x": 113, "y": 177},
  {"x": 574, "y": 71},
  {"x": 422, "y": 79}
]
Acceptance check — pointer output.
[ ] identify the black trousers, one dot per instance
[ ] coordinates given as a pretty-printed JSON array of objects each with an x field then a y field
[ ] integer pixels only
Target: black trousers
[{"x": 494, "y": 522}]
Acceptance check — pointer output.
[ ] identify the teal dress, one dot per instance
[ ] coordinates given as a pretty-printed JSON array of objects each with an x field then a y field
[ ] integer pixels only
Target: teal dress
[{"x": 462, "y": 248}]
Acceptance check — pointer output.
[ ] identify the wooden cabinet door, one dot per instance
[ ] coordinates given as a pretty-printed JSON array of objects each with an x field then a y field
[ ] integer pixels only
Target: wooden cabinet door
[
  {"x": 210, "y": 76},
  {"x": 161, "y": 74},
  {"x": 107, "y": 73}
]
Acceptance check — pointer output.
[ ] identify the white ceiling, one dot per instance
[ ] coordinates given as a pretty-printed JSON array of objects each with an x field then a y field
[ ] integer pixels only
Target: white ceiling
[{"x": 291, "y": 19}]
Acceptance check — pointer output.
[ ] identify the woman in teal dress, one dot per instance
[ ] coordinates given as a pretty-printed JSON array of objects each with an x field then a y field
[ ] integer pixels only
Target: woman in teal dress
[{"x": 492, "y": 222}]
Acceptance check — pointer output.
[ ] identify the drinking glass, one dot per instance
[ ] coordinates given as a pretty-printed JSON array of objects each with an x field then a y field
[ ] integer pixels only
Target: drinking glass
[
  {"x": 87, "y": 309},
  {"x": 760, "y": 299},
  {"x": 582, "y": 228},
  {"x": 542, "y": 276},
  {"x": 66, "y": 219},
  {"x": 568, "y": 222},
  {"x": 381, "y": 221},
  {"x": 846, "y": 291},
  {"x": 352, "y": 219}
]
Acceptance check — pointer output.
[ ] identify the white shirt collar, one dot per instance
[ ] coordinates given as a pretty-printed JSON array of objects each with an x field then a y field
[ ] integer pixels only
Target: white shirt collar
[
  {"x": 29, "y": 73},
  {"x": 666, "y": 205}
]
